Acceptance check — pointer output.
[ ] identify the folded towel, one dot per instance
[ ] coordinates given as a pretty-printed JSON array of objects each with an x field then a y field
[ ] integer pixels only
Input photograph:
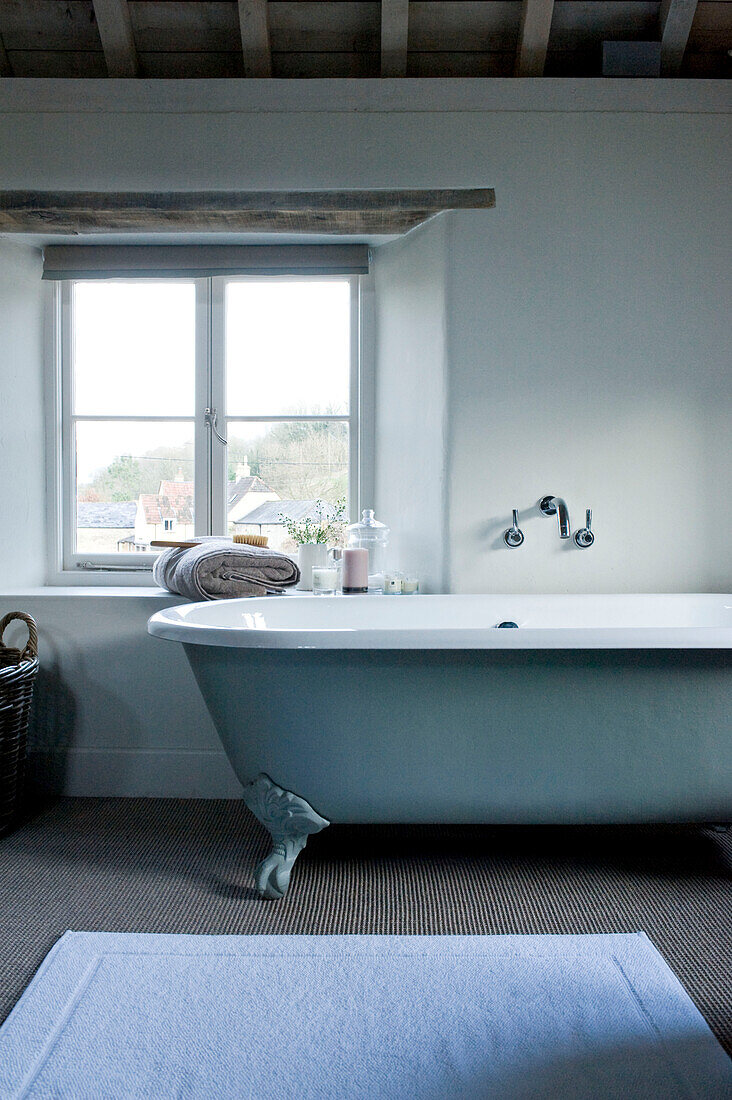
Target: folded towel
[{"x": 218, "y": 569}]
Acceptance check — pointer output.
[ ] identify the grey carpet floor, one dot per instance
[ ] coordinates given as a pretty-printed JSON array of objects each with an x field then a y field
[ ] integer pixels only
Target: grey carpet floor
[{"x": 168, "y": 865}]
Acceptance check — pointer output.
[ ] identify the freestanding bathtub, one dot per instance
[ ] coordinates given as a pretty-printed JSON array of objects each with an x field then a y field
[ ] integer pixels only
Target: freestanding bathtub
[{"x": 423, "y": 709}]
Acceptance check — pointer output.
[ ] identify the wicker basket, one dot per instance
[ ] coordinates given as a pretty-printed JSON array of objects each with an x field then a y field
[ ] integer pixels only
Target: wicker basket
[{"x": 18, "y": 670}]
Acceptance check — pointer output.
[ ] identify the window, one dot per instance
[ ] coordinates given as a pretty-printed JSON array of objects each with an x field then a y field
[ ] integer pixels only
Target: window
[
  {"x": 202, "y": 406},
  {"x": 288, "y": 382}
]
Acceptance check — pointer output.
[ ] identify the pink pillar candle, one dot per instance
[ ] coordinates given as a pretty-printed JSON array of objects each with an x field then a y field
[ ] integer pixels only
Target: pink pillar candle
[{"x": 355, "y": 571}]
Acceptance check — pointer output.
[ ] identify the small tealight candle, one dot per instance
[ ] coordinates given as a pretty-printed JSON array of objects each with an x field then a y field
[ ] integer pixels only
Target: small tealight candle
[
  {"x": 325, "y": 581},
  {"x": 392, "y": 584},
  {"x": 410, "y": 585}
]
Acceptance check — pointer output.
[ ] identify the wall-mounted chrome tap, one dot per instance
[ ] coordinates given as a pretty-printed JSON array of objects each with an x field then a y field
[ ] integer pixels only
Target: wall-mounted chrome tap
[
  {"x": 513, "y": 536},
  {"x": 584, "y": 537},
  {"x": 550, "y": 506}
]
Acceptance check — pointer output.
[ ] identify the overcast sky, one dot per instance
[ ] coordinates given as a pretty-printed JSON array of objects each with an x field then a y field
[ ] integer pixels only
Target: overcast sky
[{"x": 287, "y": 351}]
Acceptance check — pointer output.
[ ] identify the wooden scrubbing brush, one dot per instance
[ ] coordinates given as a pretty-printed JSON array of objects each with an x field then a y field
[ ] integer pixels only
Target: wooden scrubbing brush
[
  {"x": 252, "y": 540},
  {"x": 246, "y": 540}
]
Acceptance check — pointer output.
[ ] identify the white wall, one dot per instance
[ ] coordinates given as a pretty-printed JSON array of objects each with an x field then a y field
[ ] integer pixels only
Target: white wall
[
  {"x": 411, "y": 401},
  {"x": 589, "y": 345},
  {"x": 574, "y": 340},
  {"x": 116, "y": 712},
  {"x": 22, "y": 439}
]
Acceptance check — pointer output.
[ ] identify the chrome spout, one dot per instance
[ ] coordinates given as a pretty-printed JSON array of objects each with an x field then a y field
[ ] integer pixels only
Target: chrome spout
[{"x": 549, "y": 506}]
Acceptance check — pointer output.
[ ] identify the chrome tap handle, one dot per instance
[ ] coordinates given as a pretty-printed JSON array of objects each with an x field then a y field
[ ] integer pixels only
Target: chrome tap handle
[
  {"x": 513, "y": 536},
  {"x": 584, "y": 538}
]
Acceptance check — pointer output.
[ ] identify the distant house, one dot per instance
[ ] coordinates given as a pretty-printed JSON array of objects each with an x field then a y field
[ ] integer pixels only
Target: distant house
[
  {"x": 168, "y": 514},
  {"x": 103, "y": 526},
  {"x": 267, "y": 518},
  {"x": 246, "y": 492}
]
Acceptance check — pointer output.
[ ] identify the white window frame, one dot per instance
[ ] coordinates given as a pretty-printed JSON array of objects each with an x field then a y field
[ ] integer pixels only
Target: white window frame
[{"x": 68, "y": 567}]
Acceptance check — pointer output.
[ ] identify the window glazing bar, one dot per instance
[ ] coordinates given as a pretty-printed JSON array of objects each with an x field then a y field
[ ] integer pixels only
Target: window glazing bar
[
  {"x": 343, "y": 417},
  {"x": 134, "y": 419}
]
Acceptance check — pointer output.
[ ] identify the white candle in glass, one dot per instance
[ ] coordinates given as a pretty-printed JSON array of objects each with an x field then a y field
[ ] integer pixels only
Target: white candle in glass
[
  {"x": 392, "y": 584},
  {"x": 325, "y": 581}
]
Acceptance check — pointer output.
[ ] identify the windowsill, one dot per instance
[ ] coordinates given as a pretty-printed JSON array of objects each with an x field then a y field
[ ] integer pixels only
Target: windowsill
[
  {"x": 116, "y": 591},
  {"x": 147, "y": 592}
]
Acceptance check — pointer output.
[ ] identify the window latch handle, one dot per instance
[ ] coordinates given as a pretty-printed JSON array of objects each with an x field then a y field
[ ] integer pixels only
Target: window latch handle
[{"x": 210, "y": 416}]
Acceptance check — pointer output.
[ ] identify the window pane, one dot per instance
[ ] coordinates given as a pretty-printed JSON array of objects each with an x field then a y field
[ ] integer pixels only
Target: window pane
[
  {"x": 283, "y": 467},
  {"x": 134, "y": 483},
  {"x": 134, "y": 348},
  {"x": 287, "y": 347}
]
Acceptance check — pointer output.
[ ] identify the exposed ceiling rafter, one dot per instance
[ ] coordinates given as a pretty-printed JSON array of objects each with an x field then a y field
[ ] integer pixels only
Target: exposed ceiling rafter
[
  {"x": 6, "y": 68},
  {"x": 255, "y": 42},
  {"x": 183, "y": 40},
  {"x": 115, "y": 31},
  {"x": 536, "y": 23},
  {"x": 394, "y": 37},
  {"x": 675, "y": 17}
]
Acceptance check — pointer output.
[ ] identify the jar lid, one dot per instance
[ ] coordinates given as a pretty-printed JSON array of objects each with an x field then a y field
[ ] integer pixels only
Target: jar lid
[{"x": 368, "y": 520}]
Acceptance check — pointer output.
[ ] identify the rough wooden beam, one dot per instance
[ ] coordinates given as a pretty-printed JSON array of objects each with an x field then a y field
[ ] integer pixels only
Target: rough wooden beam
[
  {"x": 255, "y": 44},
  {"x": 115, "y": 31},
  {"x": 675, "y": 17},
  {"x": 536, "y": 23},
  {"x": 394, "y": 37},
  {"x": 337, "y": 212}
]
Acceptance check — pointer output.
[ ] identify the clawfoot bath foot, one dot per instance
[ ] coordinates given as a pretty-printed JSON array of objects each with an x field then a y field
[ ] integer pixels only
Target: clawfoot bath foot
[{"x": 289, "y": 820}]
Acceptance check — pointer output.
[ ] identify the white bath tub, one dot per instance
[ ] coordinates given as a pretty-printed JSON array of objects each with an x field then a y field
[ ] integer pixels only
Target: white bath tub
[
  {"x": 454, "y": 622},
  {"x": 417, "y": 709}
]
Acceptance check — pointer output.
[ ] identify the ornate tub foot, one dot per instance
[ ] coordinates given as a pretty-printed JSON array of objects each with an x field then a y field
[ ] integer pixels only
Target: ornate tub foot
[{"x": 289, "y": 820}]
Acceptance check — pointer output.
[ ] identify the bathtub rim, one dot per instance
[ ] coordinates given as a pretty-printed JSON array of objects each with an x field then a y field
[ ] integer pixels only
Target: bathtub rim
[{"x": 172, "y": 624}]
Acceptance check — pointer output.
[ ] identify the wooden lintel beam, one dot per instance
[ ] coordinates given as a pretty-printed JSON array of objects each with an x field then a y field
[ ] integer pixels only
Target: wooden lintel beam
[
  {"x": 675, "y": 17},
  {"x": 336, "y": 212},
  {"x": 115, "y": 31},
  {"x": 536, "y": 23},
  {"x": 255, "y": 43},
  {"x": 394, "y": 37}
]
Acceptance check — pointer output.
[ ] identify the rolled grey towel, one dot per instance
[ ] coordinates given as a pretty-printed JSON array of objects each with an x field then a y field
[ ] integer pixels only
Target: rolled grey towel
[{"x": 218, "y": 569}]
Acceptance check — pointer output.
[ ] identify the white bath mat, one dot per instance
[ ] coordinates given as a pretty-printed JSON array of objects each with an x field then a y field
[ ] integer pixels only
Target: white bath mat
[{"x": 123, "y": 1015}]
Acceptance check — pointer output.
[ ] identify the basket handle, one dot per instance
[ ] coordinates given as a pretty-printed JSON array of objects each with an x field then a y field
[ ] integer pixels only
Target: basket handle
[{"x": 31, "y": 646}]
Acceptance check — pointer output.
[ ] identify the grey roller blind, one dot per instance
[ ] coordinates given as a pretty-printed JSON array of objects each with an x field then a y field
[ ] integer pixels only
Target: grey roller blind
[{"x": 200, "y": 261}]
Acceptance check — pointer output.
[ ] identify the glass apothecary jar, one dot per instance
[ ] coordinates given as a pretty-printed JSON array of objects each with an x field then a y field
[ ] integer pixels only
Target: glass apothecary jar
[{"x": 370, "y": 535}]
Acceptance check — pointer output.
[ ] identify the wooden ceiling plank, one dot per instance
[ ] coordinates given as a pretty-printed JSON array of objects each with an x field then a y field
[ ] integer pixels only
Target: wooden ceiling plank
[
  {"x": 44, "y": 25},
  {"x": 462, "y": 26},
  {"x": 255, "y": 41},
  {"x": 675, "y": 18},
  {"x": 300, "y": 66},
  {"x": 394, "y": 37},
  {"x": 536, "y": 23},
  {"x": 496, "y": 63},
  {"x": 115, "y": 31}
]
